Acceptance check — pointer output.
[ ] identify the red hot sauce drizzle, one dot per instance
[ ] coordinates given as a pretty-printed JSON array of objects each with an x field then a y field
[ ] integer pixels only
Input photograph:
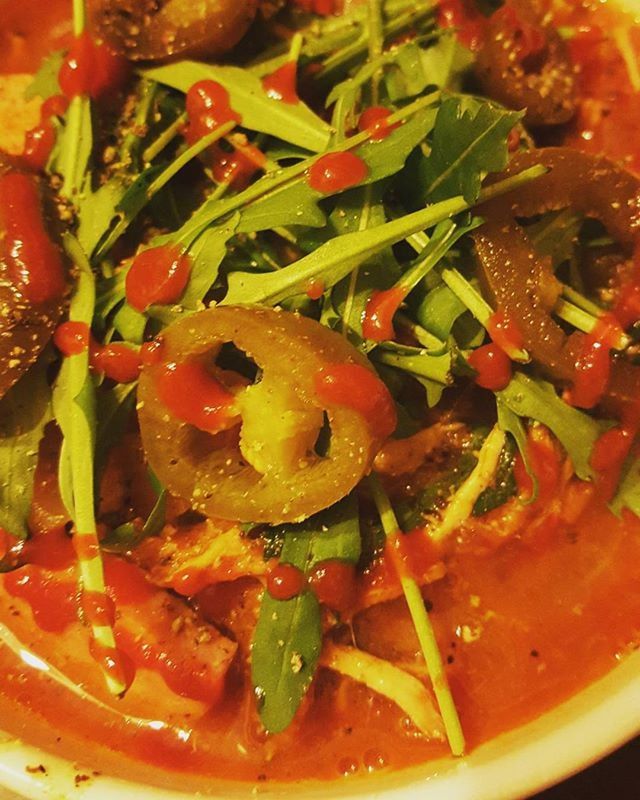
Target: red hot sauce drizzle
[
  {"x": 157, "y": 275},
  {"x": 281, "y": 84},
  {"x": 374, "y": 119},
  {"x": 208, "y": 107},
  {"x": 335, "y": 172},
  {"x": 72, "y": 338},
  {"x": 193, "y": 395},
  {"x": 39, "y": 141},
  {"x": 91, "y": 69},
  {"x": 360, "y": 389},
  {"x": 34, "y": 262},
  {"x": 377, "y": 322},
  {"x": 117, "y": 361},
  {"x": 285, "y": 581},
  {"x": 492, "y": 365},
  {"x": 594, "y": 363}
]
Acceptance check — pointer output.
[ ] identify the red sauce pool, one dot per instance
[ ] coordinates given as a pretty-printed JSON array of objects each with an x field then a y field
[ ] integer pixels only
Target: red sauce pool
[
  {"x": 157, "y": 275},
  {"x": 335, "y": 172}
]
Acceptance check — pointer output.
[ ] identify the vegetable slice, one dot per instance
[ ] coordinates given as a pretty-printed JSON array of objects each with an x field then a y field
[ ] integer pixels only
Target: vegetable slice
[{"x": 281, "y": 415}]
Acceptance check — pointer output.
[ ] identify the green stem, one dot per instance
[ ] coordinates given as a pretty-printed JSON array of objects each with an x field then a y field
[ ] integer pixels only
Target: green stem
[
  {"x": 423, "y": 627},
  {"x": 79, "y": 17},
  {"x": 376, "y": 44},
  {"x": 167, "y": 135},
  {"x": 163, "y": 178}
]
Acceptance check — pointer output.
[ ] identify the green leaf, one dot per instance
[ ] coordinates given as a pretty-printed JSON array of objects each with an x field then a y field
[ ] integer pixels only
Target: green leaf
[
  {"x": 286, "y": 647},
  {"x": 438, "y": 311},
  {"x": 207, "y": 254},
  {"x": 576, "y": 431},
  {"x": 296, "y": 203},
  {"x": 288, "y": 636},
  {"x": 295, "y": 123},
  {"x": 24, "y": 411},
  {"x": 336, "y": 258},
  {"x": 468, "y": 142},
  {"x": 511, "y": 423},
  {"x": 45, "y": 81},
  {"x": 447, "y": 62},
  {"x": 74, "y": 406},
  {"x": 97, "y": 211},
  {"x": 72, "y": 151},
  {"x": 628, "y": 494}
]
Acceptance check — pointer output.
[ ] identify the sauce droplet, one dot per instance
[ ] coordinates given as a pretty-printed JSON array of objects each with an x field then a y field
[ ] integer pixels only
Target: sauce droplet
[
  {"x": 285, "y": 581},
  {"x": 360, "y": 389},
  {"x": 208, "y": 107},
  {"x": 335, "y": 172},
  {"x": 377, "y": 323},
  {"x": 91, "y": 69},
  {"x": 492, "y": 365},
  {"x": 117, "y": 361},
  {"x": 157, "y": 275},
  {"x": 374, "y": 119},
  {"x": 72, "y": 338},
  {"x": 281, "y": 84},
  {"x": 593, "y": 364}
]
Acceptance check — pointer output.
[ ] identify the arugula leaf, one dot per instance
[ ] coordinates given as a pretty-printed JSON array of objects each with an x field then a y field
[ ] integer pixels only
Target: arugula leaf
[
  {"x": 628, "y": 494},
  {"x": 416, "y": 361},
  {"x": 288, "y": 636},
  {"x": 336, "y": 258},
  {"x": 467, "y": 143},
  {"x": 359, "y": 209},
  {"x": 207, "y": 254},
  {"x": 296, "y": 203},
  {"x": 24, "y": 411},
  {"x": 45, "y": 81},
  {"x": 576, "y": 431},
  {"x": 439, "y": 310},
  {"x": 511, "y": 423},
  {"x": 74, "y": 143},
  {"x": 295, "y": 123}
]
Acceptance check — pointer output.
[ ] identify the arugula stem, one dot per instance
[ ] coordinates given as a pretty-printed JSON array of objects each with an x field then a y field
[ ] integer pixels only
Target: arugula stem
[
  {"x": 189, "y": 154},
  {"x": 163, "y": 178},
  {"x": 420, "y": 334},
  {"x": 435, "y": 368},
  {"x": 79, "y": 17},
  {"x": 476, "y": 304},
  {"x": 71, "y": 165},
  {"x": 421, "y": 622},
  {"x": 131, "y": 142},
  {"x": 79, "y": 439},
  {"x": 167, "y": 135},
  {"x": 376, "y": 44}
]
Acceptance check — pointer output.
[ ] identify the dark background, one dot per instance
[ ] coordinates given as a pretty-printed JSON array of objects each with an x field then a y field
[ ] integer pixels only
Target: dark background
[{"x": 615, "y": 778}]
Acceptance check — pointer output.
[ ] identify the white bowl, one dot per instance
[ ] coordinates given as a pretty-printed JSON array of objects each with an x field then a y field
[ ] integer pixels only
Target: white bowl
[{"x": 514, "y": 765}]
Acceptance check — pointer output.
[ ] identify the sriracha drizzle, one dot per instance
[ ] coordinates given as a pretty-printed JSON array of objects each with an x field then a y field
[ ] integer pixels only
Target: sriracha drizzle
[
  {"x": 281, "y": 84},
  {"x": 194, "y": 396},
  {"x": 91, "y": 69},
  {"x": 358, "y": 388},
  {"x": 157, "y": 275},
  {"x": 335, "y": 172}
]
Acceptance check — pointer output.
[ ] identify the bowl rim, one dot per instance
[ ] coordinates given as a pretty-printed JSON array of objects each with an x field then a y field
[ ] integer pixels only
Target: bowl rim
[{"x": 514, "y": 765}]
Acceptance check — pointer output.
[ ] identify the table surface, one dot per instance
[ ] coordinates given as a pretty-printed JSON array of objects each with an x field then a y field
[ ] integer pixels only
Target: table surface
[{"x": 615, "y": 778}]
